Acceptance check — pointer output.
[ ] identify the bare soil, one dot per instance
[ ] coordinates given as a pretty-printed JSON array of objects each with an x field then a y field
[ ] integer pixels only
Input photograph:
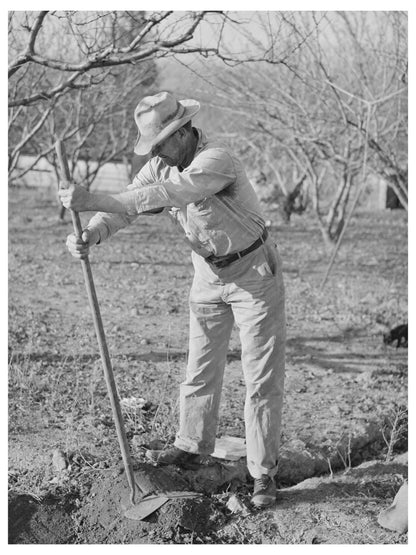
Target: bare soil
[{"x": 346, "y": 392}]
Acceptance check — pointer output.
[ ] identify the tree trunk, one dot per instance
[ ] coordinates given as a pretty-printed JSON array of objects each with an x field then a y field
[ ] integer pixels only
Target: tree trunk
[
  {"x": 343, "y": 209},
  {"x": 62, "y": 211},
  {"x": 315, "y": 203},
  {"x": 328, "y": 241},
  {"x": 336, "y": 215}
]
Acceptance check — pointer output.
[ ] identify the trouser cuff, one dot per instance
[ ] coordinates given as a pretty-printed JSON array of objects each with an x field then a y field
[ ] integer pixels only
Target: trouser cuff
[
  {"x": 192, "y": 446},
  {"x": 257, "y": 471}
]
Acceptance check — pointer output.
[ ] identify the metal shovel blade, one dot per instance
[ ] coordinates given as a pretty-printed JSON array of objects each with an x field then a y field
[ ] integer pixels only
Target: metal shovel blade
[
  {"x": 148, "y": 505},
  {"x": 145, "y": 507}
]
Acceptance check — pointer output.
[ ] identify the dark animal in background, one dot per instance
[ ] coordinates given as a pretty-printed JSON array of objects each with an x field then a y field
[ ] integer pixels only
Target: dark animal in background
[{"x": 399, "y": 334}]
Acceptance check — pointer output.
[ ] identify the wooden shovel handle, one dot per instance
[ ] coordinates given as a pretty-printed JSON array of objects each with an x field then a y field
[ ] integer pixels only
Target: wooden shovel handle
[
  {"x": 99, "y": 330},
  {"x": 66, "y": 176}
]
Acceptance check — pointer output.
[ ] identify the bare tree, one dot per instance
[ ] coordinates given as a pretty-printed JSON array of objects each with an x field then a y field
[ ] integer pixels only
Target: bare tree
[
  {"x": 97, "y": 40},
  {"x": 57, "y": 58},
  {"x": 321, "y": 89},
  {"x": 72, "y": 110},
  {"x": 309, "y": 122}
]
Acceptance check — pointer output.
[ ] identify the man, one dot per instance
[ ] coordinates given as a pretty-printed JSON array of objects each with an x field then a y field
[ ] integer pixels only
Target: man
[{"x": 238, "y": 278}]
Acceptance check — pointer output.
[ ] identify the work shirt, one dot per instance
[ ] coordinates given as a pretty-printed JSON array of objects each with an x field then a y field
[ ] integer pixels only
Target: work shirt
[{"x": 212, "y": 199}]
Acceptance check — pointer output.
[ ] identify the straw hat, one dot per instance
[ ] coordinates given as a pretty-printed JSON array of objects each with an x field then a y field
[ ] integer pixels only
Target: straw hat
[{"x": 159, "y": 116}]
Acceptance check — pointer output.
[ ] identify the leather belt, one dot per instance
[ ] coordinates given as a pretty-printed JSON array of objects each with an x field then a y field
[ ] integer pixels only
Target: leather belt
[{"x": 223, "y": 261}]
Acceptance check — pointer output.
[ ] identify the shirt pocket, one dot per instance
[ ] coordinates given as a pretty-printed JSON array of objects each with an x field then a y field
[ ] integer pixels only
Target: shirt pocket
[{"x": 204, "y": 214}]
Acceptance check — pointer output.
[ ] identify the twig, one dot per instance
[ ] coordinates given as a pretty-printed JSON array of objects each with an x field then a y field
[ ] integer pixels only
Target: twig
[{"x": 330, "y": 468}]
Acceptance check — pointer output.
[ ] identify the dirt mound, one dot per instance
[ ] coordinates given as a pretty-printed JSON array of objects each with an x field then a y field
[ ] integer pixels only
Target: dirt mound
[
  {"x": 103, "y": 511},
  {"x": 32, "y": 521}
]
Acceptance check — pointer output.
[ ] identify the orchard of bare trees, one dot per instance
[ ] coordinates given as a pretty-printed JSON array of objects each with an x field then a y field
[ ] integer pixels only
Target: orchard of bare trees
[
  {"x": 316, "y": 102},
  {"x": 315, "y": 106}
]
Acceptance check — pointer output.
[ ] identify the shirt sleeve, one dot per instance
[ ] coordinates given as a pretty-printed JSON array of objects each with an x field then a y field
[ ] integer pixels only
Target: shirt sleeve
[
  {"x": 108, "y": 224},
  {"x": 209, "y": 173}
]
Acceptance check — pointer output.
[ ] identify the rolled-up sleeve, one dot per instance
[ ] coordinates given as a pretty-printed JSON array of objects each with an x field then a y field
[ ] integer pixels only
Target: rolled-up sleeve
[
  {"x": 107, "y": 224},
  {"x": 210, "y": 172}
]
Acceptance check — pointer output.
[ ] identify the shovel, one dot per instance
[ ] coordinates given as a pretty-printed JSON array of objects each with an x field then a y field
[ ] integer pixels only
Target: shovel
[{"x": 150, "y": 503}]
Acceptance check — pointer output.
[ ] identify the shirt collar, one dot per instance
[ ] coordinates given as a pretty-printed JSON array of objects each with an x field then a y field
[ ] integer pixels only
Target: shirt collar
[{"x": 202, "y": 140}]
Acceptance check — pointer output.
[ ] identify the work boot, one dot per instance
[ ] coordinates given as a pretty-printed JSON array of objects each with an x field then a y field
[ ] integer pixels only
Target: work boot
[
  {"x": 264, "y": 493},
  {"x": 174, "y": 456}
]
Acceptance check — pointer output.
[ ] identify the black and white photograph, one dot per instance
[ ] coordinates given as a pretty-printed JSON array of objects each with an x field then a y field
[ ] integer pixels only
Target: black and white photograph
[{"x": 207, "y": 275}]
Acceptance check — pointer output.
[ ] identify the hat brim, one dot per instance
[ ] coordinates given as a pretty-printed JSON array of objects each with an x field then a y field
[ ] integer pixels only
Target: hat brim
[{"x": 143, "y": 146}]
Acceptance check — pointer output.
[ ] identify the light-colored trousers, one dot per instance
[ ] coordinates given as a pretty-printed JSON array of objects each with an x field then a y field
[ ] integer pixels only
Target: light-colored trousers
[{"x": 249, "y": 292}]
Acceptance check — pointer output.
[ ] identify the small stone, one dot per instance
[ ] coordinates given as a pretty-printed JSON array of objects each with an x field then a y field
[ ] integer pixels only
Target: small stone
[
  {"x": 235, "y": 505},
  {"x": 59, "y": 461},
  {"x": 302, "y": 389}
]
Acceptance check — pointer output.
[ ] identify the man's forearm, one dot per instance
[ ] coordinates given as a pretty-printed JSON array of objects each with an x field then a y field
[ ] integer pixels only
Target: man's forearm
[
  {"x": 109, "y": 224},
  {"x": 122, "y": 203}
]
